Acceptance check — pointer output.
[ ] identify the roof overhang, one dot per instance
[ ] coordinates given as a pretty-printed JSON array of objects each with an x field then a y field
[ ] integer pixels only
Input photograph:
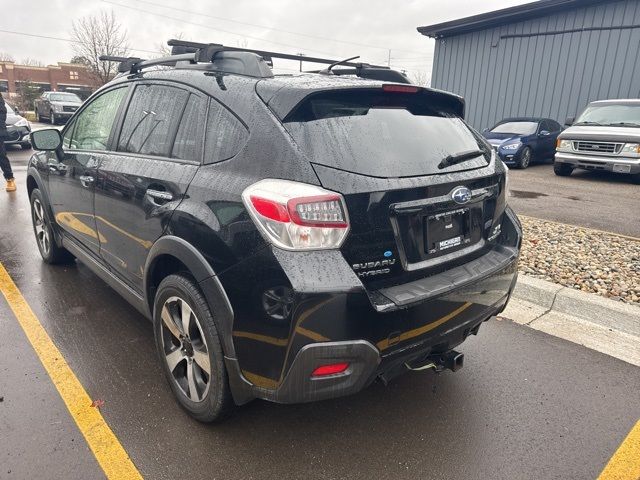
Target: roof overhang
[{"x": 500, "y": 17}]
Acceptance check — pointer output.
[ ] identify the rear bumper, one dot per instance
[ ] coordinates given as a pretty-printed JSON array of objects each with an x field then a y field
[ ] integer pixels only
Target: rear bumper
[
  {"x": 595, "y": 162},
  {"x": 376, "y": 332},
  {"x": 366, "y": 362}
]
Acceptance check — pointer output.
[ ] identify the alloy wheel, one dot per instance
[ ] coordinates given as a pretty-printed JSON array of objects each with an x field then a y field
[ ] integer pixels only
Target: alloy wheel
[
  {"x": 41, "y": 227},
  {"x": 185, "y": 349}
]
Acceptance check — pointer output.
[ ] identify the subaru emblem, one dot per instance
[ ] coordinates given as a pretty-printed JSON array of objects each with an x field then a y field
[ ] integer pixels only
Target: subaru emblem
[
  {"x": 461, "y": 195},
  {"x": 388, "y": 253}
]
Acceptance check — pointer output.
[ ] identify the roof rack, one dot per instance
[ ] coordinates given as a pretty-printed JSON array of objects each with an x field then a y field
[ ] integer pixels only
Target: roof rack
[{"x": 257, "y": 63}]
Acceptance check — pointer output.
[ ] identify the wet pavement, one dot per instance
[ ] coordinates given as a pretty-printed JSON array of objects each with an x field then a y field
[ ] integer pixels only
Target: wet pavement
[
  {"x": 526, "y": 405},
  {"x": 600, "y": 200}
]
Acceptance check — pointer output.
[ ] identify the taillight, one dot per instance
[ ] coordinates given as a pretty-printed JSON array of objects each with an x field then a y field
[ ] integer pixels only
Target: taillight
[{"x": 297, "y": 216}]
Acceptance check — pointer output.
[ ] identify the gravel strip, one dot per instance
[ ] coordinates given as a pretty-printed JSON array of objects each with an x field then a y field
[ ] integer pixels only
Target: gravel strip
[{"x": 584, "y": 259}]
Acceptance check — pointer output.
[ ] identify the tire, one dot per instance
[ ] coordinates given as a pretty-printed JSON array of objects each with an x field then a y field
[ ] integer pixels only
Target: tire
[
  {"x": 25, "y": 145},
  {"x": 206, "y": 397},
  {"x": 38, "y": 116},
  {"x": 52, "y": 118},
  {"x": 562, "y": 169},
  {"x": 524, "y": 159},
  {"x": 43, "y": 230}
]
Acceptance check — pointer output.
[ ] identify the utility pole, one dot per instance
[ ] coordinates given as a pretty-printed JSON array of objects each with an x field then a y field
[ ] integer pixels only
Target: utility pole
[
  {"x": 302, "y": 55},
  {"x": 389, "y": 59}
]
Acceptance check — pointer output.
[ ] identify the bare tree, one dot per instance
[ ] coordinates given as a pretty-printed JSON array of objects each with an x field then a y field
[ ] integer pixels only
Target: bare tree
[
  {"x": 96, "y": 35},
  {"x": 32, "y": 62},
  {"x": 422, "y": 78},
  {"x": 6, "y": 57},
  {"x": 164, "y": 49}
]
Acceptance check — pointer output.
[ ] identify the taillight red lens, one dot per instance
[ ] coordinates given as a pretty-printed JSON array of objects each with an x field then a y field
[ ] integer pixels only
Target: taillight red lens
[
  {"x": 400, "y": 88},
  {"x": 331, "y": 369},
  {"x": 270, "y": 209}
]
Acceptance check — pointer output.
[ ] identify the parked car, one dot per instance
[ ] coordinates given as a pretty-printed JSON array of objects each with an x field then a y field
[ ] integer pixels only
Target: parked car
[
  {"x": 56, "y": 106},
  {"x": 18, "y": 124},
  {"x": 293, "y": 237},
  {"x": 519, "y": 141},
  {"x": 606, "y": 136}
]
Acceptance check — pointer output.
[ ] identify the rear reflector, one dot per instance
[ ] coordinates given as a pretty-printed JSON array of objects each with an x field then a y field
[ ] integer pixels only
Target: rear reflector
[
  {"x": 400, "y": 88},
  {"x": 331, "y": 369}
]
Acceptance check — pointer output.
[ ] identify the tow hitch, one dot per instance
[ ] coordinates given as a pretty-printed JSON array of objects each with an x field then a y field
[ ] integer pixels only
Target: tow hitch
[{"x": 450, "y": 360}]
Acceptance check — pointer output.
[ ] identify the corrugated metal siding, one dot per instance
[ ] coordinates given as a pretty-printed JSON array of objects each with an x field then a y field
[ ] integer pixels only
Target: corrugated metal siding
[{"x": 551, "y": 76}]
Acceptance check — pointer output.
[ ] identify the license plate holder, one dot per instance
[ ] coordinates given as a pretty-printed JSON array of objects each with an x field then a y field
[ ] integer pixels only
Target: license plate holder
[
  {"x": 621, "y": 168},
  {"x": 447, "y": 231}
]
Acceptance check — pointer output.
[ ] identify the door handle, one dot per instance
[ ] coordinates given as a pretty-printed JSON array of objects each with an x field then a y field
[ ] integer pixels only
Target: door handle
[
  {"x": 160, "y": 195},
  {"x": 86, "y": 180}
]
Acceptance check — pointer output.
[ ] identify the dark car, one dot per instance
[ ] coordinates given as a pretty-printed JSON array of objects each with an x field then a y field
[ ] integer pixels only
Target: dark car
[
  {"x": 56, "y": 106},
  {"x": 18, "y": 128},
  {"x": 519, "y": 141},
  {"x": 293, "y": 238}
]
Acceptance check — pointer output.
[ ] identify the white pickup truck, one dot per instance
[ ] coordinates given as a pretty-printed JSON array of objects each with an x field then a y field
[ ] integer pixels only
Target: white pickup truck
[{"x": 606, "y": 136}]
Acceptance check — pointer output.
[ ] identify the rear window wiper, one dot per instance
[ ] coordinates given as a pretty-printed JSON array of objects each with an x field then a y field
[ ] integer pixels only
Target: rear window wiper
[{"x": 459, "y": 157}]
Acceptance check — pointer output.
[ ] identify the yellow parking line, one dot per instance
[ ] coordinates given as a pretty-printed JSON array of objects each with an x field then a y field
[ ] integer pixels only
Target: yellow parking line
[
  {"x": 625, "y": 463},
  {"x": 109, "y": 453}
]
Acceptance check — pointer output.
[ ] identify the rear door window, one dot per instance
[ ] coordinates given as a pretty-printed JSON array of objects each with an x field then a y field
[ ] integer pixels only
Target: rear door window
[
  {"x": 382, "y": 134},
  {"x": 152, "y": 120}
]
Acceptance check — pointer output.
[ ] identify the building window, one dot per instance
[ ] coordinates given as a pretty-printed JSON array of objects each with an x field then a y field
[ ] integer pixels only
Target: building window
[
  {"x": 0, "y": 68},
  {"x": 73, "y": 75}
]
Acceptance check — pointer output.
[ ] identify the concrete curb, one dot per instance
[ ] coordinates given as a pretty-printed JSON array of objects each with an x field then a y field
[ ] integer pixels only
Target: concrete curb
[
  {"x": 588, "y": 319},
  {"x": 587, "y": 306}
]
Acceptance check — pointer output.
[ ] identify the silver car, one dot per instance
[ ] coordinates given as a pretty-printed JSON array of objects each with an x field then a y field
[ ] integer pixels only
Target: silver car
[{"x": 606, "y": 136}]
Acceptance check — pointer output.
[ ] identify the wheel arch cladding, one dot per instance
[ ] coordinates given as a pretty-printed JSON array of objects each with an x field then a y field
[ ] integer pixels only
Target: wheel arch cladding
[{"x": 171, "y": 254}]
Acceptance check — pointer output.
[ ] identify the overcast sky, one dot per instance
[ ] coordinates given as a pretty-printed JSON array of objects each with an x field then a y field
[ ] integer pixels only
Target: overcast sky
[{"x": 329, "y": 28}]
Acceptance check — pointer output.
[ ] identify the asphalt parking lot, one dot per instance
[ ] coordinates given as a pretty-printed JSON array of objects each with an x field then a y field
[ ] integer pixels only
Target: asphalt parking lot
[{"x": 526, "y": 405}]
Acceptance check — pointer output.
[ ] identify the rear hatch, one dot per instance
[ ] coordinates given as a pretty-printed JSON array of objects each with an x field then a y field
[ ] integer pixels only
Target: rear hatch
[{"x": 382, "y": 149}]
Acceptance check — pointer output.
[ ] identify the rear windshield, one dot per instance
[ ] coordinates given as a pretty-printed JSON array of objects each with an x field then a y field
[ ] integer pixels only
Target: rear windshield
[{"x": 381, "y": 134}]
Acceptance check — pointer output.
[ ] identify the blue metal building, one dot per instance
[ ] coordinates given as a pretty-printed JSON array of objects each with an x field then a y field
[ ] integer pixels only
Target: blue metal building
[{"x": 548, "y": 58}]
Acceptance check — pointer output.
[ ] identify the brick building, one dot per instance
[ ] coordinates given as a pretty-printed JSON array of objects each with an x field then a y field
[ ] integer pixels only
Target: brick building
[{"x": 62, "y": 77}]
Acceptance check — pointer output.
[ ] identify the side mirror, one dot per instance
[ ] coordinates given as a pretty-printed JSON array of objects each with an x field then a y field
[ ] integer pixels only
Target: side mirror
[
  {"x": 544, "y": 133},
  {"x": 569, "y": 121},
  {"x": 48, "y": 139}
]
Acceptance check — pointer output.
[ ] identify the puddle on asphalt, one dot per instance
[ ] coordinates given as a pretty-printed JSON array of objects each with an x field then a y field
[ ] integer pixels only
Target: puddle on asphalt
[{"x": 526, "y": 194}]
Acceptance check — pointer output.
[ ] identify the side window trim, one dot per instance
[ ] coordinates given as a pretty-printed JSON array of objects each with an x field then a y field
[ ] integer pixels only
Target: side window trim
[{"x": 84, "y": 106}]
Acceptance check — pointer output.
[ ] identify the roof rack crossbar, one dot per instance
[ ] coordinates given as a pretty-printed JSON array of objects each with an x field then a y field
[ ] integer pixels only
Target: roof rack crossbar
[
  {"x": 263, "y": 53},
  {"x": 135, "y": 64}
]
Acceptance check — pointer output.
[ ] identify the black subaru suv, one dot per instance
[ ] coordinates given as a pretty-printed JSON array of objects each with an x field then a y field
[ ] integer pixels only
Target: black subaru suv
[{"x": 293, "y": 238}]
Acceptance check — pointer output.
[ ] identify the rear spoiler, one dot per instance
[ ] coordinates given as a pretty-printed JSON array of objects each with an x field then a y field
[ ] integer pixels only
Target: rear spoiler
[{"x": 283, "y": 103}]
